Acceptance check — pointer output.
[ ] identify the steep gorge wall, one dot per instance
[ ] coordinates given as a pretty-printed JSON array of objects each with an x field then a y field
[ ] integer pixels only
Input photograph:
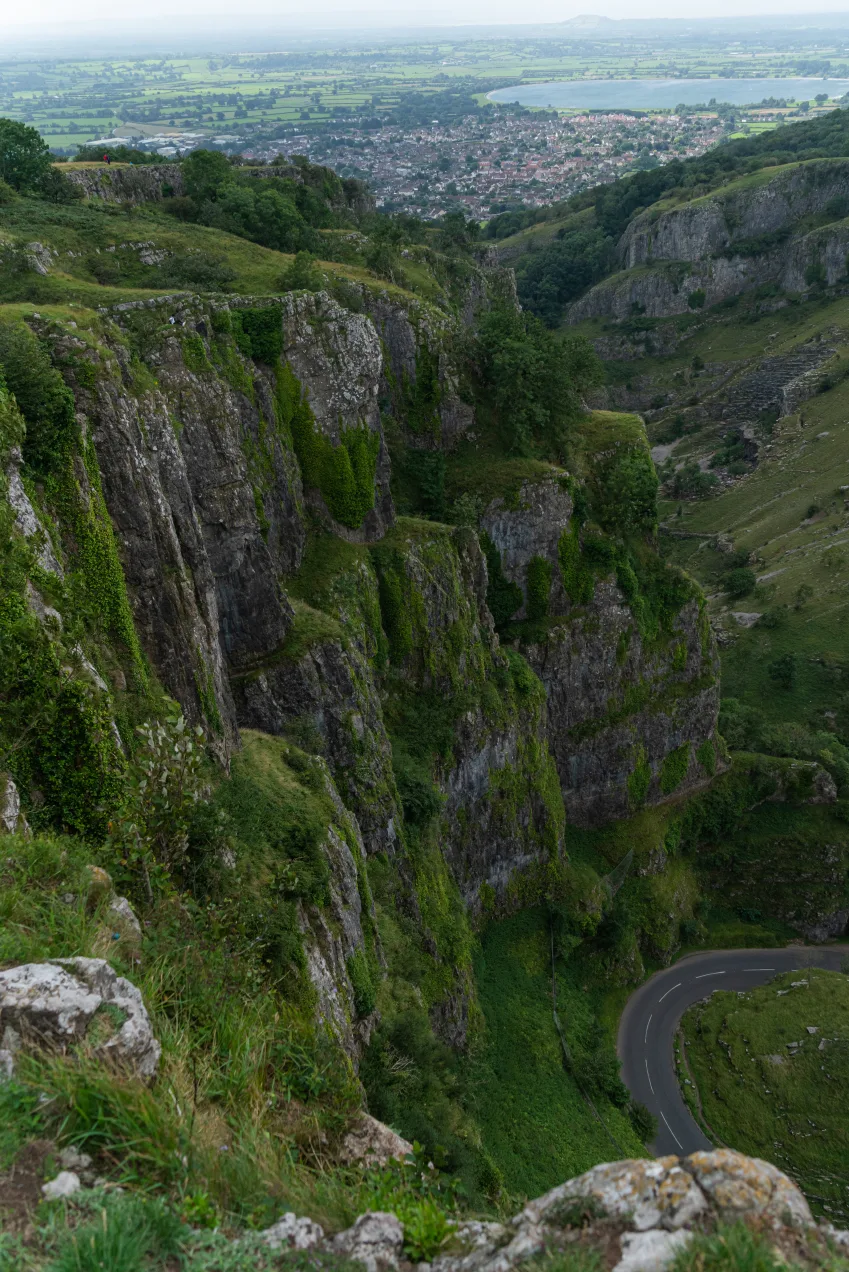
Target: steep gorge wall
[
  {"x": 239, "y": 446},
  {"x": 632, "y": 704},
  {"x": 763, "y": 230}
]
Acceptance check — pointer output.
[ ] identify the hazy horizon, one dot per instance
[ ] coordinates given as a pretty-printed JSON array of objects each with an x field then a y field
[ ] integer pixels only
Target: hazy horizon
[{"x": 53, "y": 20}]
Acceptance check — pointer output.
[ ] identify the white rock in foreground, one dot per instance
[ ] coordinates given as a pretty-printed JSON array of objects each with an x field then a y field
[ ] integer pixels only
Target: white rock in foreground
[
  {"x": 294, "y": 1233},
  {"x": 375, "y": 1240},
  {"x": 65, "y": 1184},
  {"x": 54, "y": 1004}
]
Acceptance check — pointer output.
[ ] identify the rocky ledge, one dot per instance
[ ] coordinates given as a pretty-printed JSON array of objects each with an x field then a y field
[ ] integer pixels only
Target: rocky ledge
[{"x": 635, "y": 1215}]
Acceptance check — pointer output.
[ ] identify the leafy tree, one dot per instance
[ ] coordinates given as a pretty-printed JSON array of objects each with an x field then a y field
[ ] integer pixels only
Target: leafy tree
[
  {"x": 533, "y": 381},
  {"x": 739, "y": 582},
  {"x": 205, "y": 172},
  {"x": 24, "y": 155},
  {"x": 302, "y": 274},
  {"x": 782, "y": 670},
  {"x": 549, "y": 279},
  {"x": 44, "y": 399}
]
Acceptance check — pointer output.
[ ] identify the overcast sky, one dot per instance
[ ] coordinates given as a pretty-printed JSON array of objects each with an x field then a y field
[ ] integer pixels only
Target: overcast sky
[{"x": 18, "y": 18}]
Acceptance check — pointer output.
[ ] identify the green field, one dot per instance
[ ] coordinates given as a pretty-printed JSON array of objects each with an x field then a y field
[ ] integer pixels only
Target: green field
[
  {"x": 771, "y": 1067},
  {"x": 255, "y": 94}
]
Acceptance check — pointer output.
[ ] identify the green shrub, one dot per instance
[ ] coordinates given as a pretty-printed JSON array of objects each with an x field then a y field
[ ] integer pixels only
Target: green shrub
[
  {"x": 624, "y": 493},
  {"x": 643, "y": 1121},
  {"x": 362, "y": 983},
  {"x": 734, "y": 1248},
  {"x": 394, "y": 611},
  {"x": 502, "y": 595},
  {"x": 706, "y": 755},
  {"x": 24, "y": 156},
  {"x": 420, "y": 798},
  {"x": 539, "y": 588},
  {"x": 194, "y": 354},
  {"x": 262, "y": 330},
  {"x": 302, "y": 275},
  {"x": 344, "y": 473},
  {"x": 43, "y": 399},
  {"x": 674, "y": 768},
  {"x": 421, "y": 395},
  {"x": 782, "y": 670},
  {"x": 639, "y": 780},
  {"x": 696, "y": 299},
  {"x": 740, "y": 582},
  {"x": 578, "y": 579}
]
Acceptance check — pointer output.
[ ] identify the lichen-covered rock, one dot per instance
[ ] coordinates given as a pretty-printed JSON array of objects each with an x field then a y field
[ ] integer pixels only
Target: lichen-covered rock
[
  {"x": 69, "y": 1001},
  {"x": 650, "y": 1251},
  {"x": 649, "y": 1194},
  {"x": 372, "y": 1143},
  {"x": 330, "y": 691},
  {"x": 375, "y": 1240},
  {"x": 420, "y": 376},
  {"x": 745, "y": 210},
  {"x": 530, "y": 525},
  {"x": 293, "y": 1232},
  {"x": 125, "y": 925},
  {"x": 734, "y": 1185},
  {"x": 503, "y": 813},
  {"x": 333, "y": 934},
  {"x": 12, "y": 820},
  {"x": 66, "y": 1183},
  {"x": 728, "y": 243},
  {"x": 642, "y": 1213},
  {"x": 336, "y": 355}
]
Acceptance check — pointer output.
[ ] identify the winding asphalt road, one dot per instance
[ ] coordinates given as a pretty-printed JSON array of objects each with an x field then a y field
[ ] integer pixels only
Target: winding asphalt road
[{"x": 652, "y": 1013}]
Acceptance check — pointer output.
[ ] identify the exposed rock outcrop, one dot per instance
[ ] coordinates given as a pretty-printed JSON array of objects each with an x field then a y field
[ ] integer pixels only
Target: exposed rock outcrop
[
  {"x": 65, "y": 1002},
  {"x": 128, "y": 183},
  {"x": 765, "y": 204},
  {"x": 752, "y": 233},
  {"x": 372, "y": 1143},
  {"x": 633, "y": 1216},
  {"x": 617, "y": 702}
]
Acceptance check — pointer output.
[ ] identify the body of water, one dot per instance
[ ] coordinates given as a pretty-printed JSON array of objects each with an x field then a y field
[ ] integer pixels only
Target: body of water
[{"x": 644, "y": 94}]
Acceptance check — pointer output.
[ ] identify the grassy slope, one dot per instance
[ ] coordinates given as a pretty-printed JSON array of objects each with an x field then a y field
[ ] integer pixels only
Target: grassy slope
[
  {"x": 80, "y": 231},
  {"x": 766, "y": 513},
  {"x": 795, "y": 1113},
  {"x": 535, "y": 1122}
]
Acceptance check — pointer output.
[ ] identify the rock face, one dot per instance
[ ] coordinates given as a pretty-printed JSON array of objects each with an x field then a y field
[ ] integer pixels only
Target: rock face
[
  {"x": 742, "y": 211},
  {"x": 633, "y": 1216},
  {"x": 236, "y": 445},
  {"x": 617, "y": 703},
  {"x": 65, "y": 1002},
  {"x": 146, "y": 183},
  {"x": 728, "y": 243},
  {"x": 12, "y": 820},
  {"x": 337, "y": 356},
  {"x": 375, "y": 1240},
  {"x": 373, "y": 1144}
]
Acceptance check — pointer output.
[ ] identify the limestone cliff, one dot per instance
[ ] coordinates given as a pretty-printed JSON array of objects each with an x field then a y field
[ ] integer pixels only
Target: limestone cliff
[
  {"x": 784, "y": 227},
  {"x": 630, "y": 698},
  {"x": 238, "y": 448}
]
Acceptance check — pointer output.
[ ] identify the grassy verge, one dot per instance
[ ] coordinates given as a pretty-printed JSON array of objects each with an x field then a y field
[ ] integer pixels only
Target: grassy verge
[{"x": 772, "y": 1071}]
